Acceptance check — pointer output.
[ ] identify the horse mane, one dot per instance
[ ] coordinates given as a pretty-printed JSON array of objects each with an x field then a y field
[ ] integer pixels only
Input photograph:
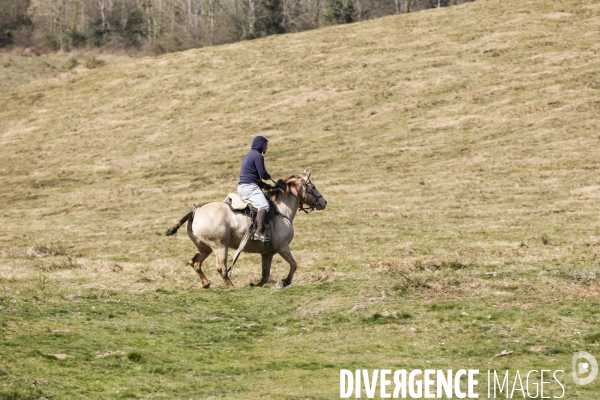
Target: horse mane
[{"x": 282, "y": 186}]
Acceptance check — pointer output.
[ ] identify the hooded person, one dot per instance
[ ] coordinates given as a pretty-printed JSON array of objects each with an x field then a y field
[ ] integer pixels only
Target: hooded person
[{"x": 249, "y": 186}]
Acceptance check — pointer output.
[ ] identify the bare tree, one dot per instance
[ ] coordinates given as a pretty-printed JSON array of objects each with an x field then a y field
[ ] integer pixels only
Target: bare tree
[
  {"x": 62, "y": 15},
  {"x": 102, "y": 6},
  {"x": 149, "y": 21},
  {"x": 211, "y": 14},
  {"x": 251, "y": 17},
  {"x": 166, "y": 25}
]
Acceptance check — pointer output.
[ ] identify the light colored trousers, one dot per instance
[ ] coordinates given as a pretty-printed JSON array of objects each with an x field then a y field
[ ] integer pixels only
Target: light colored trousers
[{"x": 251, "y": 192}]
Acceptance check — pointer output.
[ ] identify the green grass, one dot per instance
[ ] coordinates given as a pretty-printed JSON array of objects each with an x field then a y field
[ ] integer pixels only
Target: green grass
[
  {"x": 456, "y": 148},
  {"x": 228, "y": 343}
]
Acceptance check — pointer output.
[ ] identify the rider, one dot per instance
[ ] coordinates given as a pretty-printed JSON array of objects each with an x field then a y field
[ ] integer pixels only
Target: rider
[{"x": 250, "y": 183}]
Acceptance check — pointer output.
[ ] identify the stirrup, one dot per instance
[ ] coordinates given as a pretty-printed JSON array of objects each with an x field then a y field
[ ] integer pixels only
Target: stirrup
[{"x": 262, "y": 237}]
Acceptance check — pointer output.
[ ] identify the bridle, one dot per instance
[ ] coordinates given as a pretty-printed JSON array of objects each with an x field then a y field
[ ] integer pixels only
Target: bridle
[{"x": 304, "y": 200}]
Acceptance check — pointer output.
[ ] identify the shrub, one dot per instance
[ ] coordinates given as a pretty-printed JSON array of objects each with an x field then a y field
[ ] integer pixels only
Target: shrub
[
  {"x": 93, "y": 62},
  {"x": 339, "y": 12},
  {"x": 134, "y": 356}
]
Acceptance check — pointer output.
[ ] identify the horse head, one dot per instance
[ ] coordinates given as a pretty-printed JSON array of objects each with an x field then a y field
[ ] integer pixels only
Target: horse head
[
  {"x": 301, "y": 187},
  {"x": 311, "y": 195}
]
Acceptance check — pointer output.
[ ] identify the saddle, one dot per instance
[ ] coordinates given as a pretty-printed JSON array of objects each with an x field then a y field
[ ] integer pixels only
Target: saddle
[{"x": 235, "y": 203}]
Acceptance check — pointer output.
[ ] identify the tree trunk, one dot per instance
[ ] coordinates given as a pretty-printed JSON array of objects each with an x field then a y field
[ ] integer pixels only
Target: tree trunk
[
  {"x": 102, "y": 6},
  {"x": 251, "y": 17},
  {"x": 319, "y": 10},
  {"x": 189, "y": 20},
  {"x": 201, "y": 14},
  {"x": 211, "y": 15},
  {"x": 83, "y": 15},
  {"x": 74, "y": 15},
  {"x": 124, "y": 17},
  {"x": 73, "y": 27},
  {"x": 110, "y": 7},
  {"x": 397, "y": 6},
  {"x": 149, "y": 21},
  {"x": 407, "y": 6},
  {"x": 284, "y": 17},
  {"x": 62, "y": 31}
]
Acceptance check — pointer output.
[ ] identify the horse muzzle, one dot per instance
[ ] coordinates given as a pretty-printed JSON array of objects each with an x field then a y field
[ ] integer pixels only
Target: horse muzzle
[{"x": 321, "y": 204}]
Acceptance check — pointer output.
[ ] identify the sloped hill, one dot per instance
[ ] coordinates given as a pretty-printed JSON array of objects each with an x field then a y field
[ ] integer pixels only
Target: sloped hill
[
  {"x": 436, "y": 96},
  {"x": 488, "y": 107},
  {"x": 454, "y": 145}
]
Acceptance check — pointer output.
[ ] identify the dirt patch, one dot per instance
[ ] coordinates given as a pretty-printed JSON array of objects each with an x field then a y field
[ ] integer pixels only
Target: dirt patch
[
  {"x": 519, "y": 304},
  {"x": 60, "y": 356},
  {"x": 110, "y": 353},
  {"x": 538, "y": 349},
  {"x": 558, "y": 15}
]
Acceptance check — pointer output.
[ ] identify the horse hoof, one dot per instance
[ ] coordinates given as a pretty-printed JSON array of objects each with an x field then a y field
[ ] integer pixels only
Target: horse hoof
[
  {"x": 206, "y": 286},
  {"x": 252, "y": 285},
  {"x": 280, "y": 285}
]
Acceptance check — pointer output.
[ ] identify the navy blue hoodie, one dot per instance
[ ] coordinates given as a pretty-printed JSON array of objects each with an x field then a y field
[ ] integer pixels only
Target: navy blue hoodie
[{"x": 253, "y": 165}]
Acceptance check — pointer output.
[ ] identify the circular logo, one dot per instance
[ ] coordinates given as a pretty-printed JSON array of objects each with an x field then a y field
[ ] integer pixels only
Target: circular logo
[{"x": 584, "y": 364}]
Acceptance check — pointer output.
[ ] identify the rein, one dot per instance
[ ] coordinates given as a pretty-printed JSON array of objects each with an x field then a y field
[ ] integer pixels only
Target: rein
[
  {"x": 280, "y": 214},
  {"x": 304, "y": 199}
]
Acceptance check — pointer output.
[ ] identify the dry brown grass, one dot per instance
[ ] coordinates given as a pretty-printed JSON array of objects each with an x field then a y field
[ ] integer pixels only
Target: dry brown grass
[
  {"x": 456, "y": 149},
  {"x": 459, "y": 135}
]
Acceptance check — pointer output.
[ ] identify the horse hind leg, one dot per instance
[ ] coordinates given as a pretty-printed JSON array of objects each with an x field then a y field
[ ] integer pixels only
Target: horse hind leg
[
  {"x": 196, "y": 263},
  {"x": 222, "y": 264}
]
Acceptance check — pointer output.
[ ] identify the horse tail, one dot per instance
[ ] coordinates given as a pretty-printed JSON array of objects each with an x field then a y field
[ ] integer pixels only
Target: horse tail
[{"x": 189, "y": 216}]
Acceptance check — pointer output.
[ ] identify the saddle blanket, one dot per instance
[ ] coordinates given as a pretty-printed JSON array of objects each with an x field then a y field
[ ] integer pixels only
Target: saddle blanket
[{"x": 236, "y": 201}]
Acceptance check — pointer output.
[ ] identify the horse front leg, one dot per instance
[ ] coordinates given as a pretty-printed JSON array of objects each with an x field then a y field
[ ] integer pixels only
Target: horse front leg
[
  {"x": 286, "y": 253},
  {"x": 267, "y": 259}
]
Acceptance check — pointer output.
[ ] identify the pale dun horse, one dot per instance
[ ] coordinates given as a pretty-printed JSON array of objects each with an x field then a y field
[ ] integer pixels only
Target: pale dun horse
[{"x": 213, "y": 227}]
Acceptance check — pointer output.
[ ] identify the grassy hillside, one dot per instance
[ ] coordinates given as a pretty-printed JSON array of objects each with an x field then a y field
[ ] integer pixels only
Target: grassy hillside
[
  {"x": 457, "y": 149},
  {"x": 25, "y": 65}
]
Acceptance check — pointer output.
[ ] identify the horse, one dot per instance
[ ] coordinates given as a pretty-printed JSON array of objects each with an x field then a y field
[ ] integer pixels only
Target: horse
[{"x": 214, "y": 227}]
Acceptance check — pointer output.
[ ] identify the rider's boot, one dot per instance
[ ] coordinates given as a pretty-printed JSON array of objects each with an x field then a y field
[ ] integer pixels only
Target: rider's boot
[{"x": 259, "y": 234}]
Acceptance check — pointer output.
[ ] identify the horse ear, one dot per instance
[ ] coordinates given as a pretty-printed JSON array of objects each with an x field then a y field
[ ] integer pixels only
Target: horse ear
[{"x": 307, "y": 175}]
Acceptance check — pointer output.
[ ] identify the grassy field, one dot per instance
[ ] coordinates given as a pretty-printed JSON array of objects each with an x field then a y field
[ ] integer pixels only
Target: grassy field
[
  {"x": 457, "y": 149},
  {"x": 20, "y": 66}
]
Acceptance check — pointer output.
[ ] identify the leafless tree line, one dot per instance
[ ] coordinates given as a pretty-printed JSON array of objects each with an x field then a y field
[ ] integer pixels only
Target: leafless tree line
[{"x": 171, "y": 25}]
